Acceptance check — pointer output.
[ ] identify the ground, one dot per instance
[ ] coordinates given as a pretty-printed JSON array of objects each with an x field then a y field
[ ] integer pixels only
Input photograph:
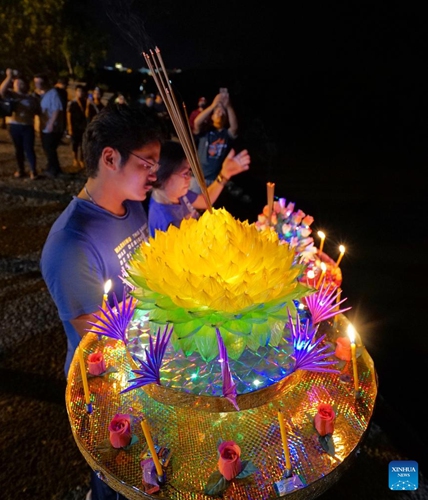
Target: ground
[{"x": 42, "y": 460}]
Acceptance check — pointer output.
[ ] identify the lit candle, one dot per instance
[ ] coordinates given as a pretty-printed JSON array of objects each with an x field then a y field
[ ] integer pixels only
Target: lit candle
[
  {"x": 84, "y": 378},
  {"x": 351, "y": 335},
  {"x": 323, "y": 270},
  {"x": 322, "y": 236},
  {"x": 107, "y": 287},
  {"x": 270, "y": 192},
  {"x": 284, "y": 440},
  {"x": 342, "y": 252},
  {"x": 147, "y": 435}
]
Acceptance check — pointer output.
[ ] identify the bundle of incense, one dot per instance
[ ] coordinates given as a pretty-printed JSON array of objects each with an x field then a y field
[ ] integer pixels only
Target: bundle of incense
[{"x": 179, "y": 118}]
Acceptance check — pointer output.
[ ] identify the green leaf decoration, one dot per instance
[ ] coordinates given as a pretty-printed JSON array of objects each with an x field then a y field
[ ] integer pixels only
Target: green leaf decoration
[
  {"x": 235, "y": 345},
  {"x": 248, "y": 468},
  {"x": 183, "y": 330},
  {"x": 260, "y": 336},
  {"x": 107, "y": 451},
  {"x": 238, "y": 327},
  {"x": 206, "y": 343},
  {"x": 216, "y": 484},
  {"x": 110, "y": 369},
  {"x": 276, "y": 331},
  {"x": 134, "y": 439},
  {"x": 327, "y": 444}
]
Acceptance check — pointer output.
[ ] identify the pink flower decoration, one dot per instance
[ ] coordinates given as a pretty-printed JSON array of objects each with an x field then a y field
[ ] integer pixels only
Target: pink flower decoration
[
  {"x": 120, "y": 430},
  {"x": 324, "y": 419},
  {"x": 96, "y": 363},
  {"x": 229, "y": 463},
  {"x": 343, "y": 348}
]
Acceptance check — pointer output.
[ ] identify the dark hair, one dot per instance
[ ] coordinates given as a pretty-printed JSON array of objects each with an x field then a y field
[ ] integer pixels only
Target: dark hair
[
  {"x": 63, "y": 80},
  {"x": 171, "y": 157},
  {"x": 124, "y": 128}
]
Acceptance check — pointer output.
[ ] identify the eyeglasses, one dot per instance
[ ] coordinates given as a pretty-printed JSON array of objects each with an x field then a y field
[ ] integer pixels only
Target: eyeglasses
[
  {"x": 188, "y": 174},
  {"x": 151, "y": 166}
]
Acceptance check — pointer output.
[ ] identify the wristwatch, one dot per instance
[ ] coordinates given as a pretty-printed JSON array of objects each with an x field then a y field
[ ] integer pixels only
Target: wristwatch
[{"x": 221, "y": 179}]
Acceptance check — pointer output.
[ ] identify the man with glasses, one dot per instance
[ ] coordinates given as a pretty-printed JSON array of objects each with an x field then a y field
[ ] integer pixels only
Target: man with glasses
[
  {"x": 171, "y": 200},
  {"x": 93, "y": 239}
]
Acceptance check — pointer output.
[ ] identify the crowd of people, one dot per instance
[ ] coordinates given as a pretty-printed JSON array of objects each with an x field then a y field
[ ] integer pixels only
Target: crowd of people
[
  {"x": 53, "y": 112},
  {"x": 130, "y": 156}
]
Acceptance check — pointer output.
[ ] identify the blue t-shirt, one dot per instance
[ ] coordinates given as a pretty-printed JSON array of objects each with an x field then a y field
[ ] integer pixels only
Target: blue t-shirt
[
  {"x": 213, "y": 148},
  {"x": 87, "y": 246},
  {"x": 161, "y": 215}
]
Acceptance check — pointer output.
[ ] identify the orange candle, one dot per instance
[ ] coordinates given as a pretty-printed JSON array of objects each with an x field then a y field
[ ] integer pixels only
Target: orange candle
[
  {"x": 339, "y": 293},
  {"x": 321, "y": 234},
  {"x": 107, "y": 287},
  {"x": 323, "y": 270},
  {"x": 150, "y": 444},
  {"x": 284, "y": 440},
  {"x": 351, "y": 335},
  {"x": 84, "y": 377},
  {"x": 342, "y": 252}
]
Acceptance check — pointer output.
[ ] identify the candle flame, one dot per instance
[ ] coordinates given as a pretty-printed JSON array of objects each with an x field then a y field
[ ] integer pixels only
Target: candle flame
[
  {"x": 107, "y": 286},
  {"x": 323, "y": 267},
  {"x": 321, "y": 235},
  {"x": 310, "y": 274},
  {"x": 341, "y": 249},
  {"x": 351, "y": 333}
]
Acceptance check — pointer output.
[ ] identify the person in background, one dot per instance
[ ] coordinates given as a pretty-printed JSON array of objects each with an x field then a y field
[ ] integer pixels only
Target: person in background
[
  {"x": 215, "y": 143},
  {"x": 61, "y": 86},
  {"x": 160, "y": 106},
  {"x": 202, "y": 104},
  {"x": 21, "y": 123},
  {"x": 161, "y": 109},
  {"x": 76, "y": 124},
  {"x": 149, "y": 100},
  {"x": 94, "y": 104},
  {"x": 95, "y": 236},
  {"x": 120, "y": 99},
  {"x": 171, "y": 200},
  {"x": 51, "y": 123}
]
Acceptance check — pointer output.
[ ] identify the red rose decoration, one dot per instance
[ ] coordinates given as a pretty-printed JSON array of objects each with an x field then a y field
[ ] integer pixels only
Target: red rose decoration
[
  {"x": 324, "y": 419},
  {"x": 343, "y": 348},
  {"x": 229, "y": 463},
  {"x": 96, "y": 363},
  {"x": 120, "y": 431}
]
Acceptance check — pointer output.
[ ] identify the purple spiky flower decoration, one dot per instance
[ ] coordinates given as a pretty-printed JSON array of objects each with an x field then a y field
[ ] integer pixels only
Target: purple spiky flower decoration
[
  {"x": 114, "y": 321},
  {"x": 150, "y": 368},
  {"x": 322, "y": 304},
  {"x": 307, "y": 351},
  {"x": 229, "y": 387}
]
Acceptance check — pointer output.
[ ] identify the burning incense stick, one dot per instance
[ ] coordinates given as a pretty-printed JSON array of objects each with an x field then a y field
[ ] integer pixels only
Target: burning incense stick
[{"x": 178, "y": 118}]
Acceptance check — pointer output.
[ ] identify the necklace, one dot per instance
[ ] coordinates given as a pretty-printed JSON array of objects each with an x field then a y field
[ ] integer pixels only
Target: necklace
[{"x": 89, "y": 196}]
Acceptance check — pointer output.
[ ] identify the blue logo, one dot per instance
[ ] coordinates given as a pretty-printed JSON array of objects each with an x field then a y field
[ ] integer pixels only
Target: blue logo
[{"x": 403, "y": 475}]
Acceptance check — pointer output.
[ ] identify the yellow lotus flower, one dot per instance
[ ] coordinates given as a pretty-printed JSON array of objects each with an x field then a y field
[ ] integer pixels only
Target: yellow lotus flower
[{"x": 216, "y": 272}]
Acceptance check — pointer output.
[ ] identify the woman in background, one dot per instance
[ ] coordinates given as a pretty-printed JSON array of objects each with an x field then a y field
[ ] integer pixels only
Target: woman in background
[
  {"x": 171, "y": 200},
  {"x": 94, "y": 104}
]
